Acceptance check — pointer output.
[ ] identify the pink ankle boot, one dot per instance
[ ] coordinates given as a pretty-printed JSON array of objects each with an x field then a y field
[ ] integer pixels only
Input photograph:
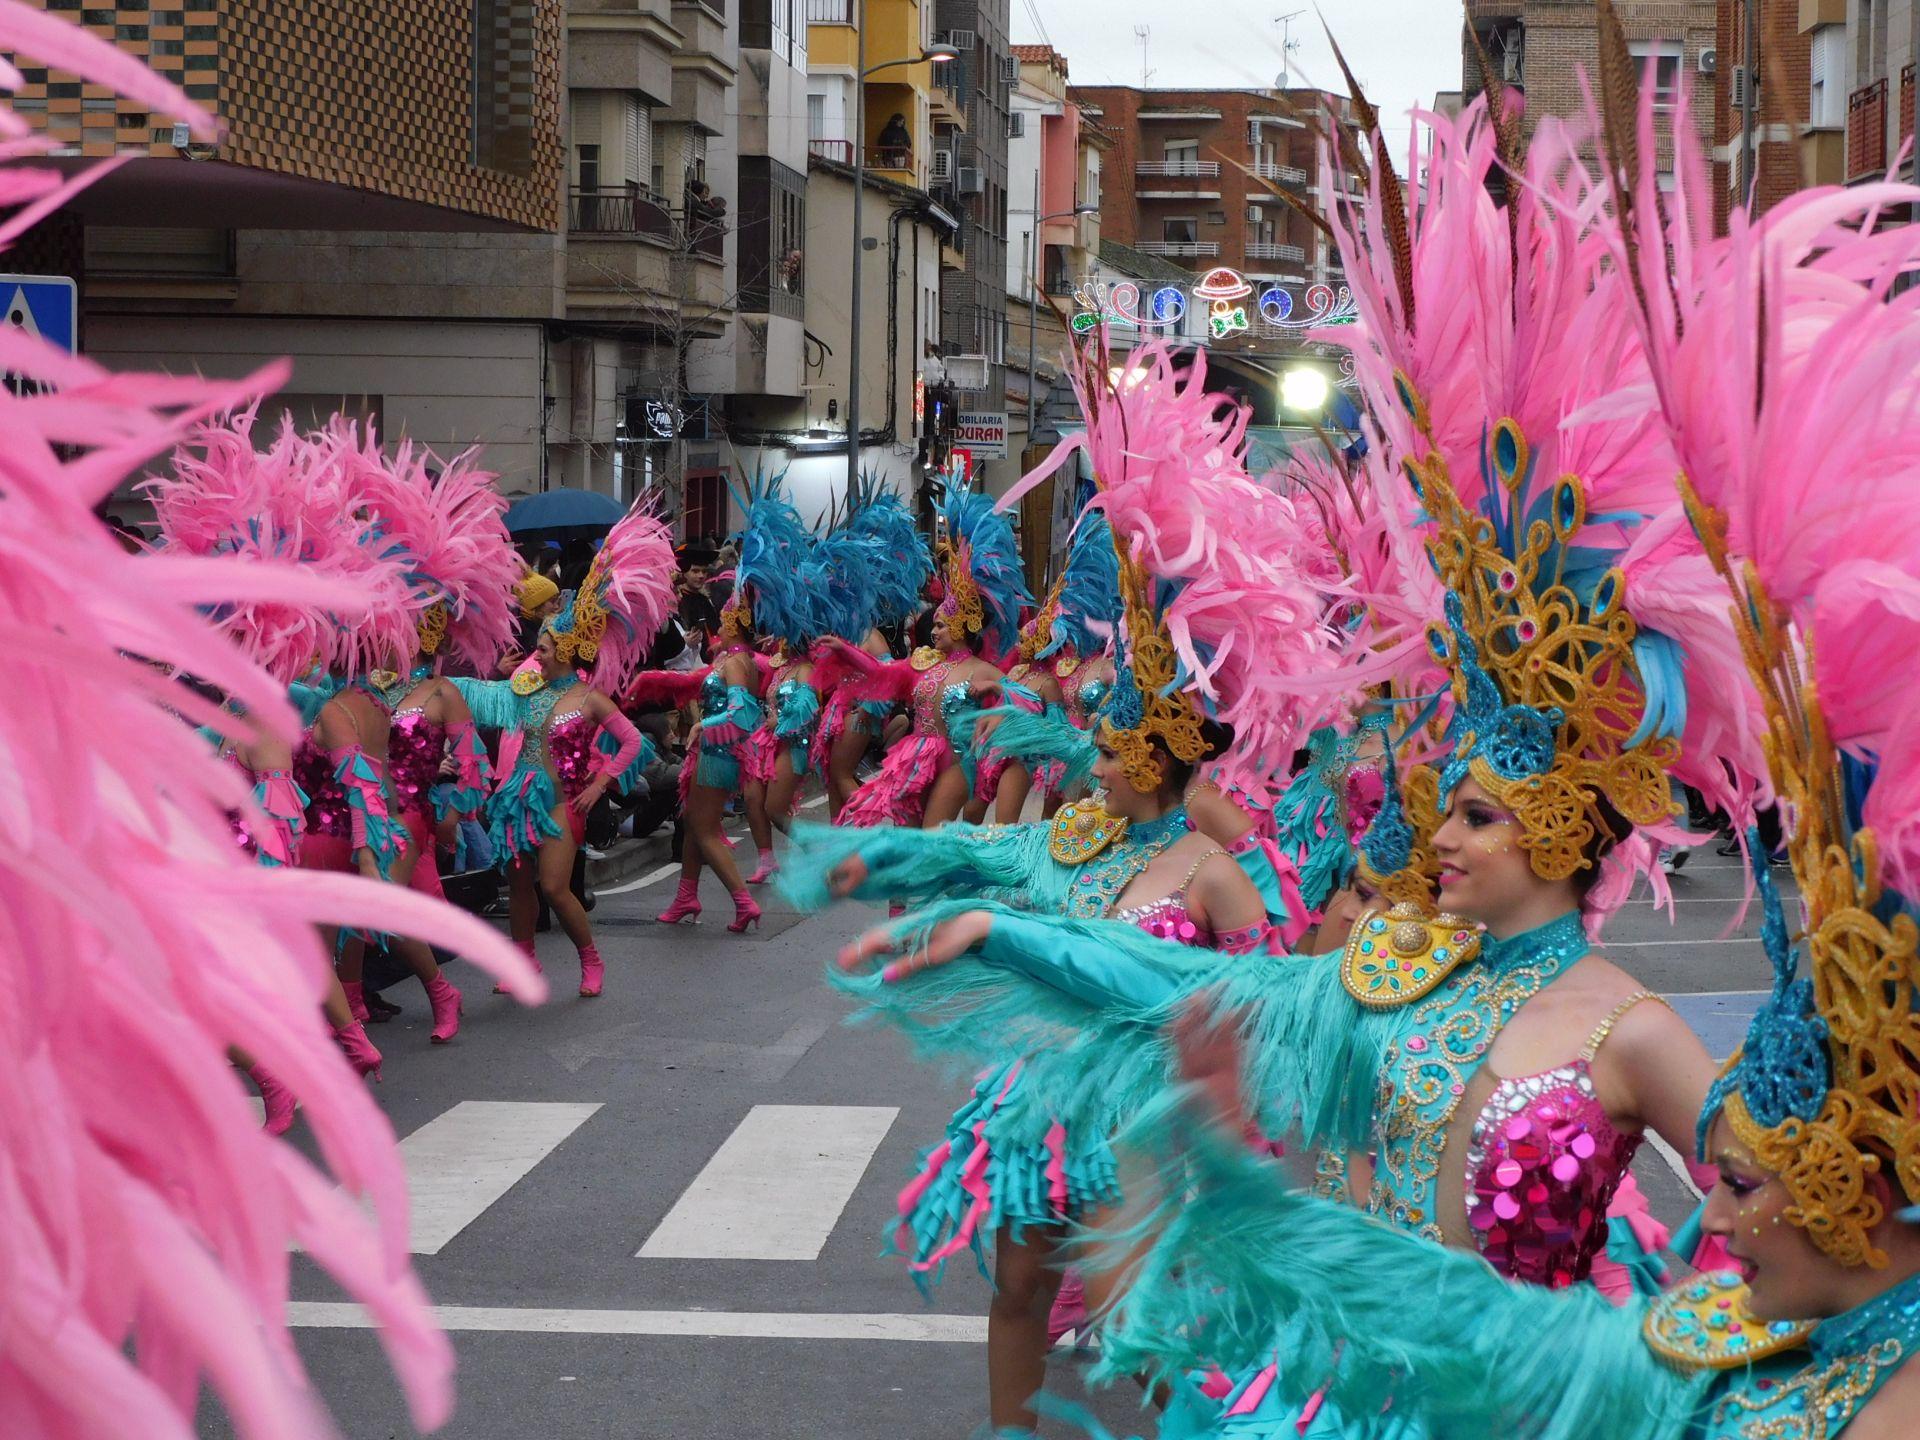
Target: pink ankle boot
[
  {"x": 685, "y": 906},
  {"x": 359, "y": 1049},
  {"x": 278, "y": 1100},
  {"x": 447, "y": 1009},
  {"x": 765, "y": 870},
  {"x": 592, "y": 971},
  {"x": 357, "y": 1000},
  {"x": 746, "y": 913},
  {"x": 526, "y": 949}
]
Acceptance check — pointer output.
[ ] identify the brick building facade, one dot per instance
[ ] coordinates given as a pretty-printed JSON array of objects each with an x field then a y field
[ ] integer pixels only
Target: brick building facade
[
  {"x": 1793, "y": 141},
  {"x": 1194, "y": 177}
]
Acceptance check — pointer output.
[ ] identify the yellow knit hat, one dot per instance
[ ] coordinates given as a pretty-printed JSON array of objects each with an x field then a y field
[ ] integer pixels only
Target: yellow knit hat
[{"x": 533, "y": 591}]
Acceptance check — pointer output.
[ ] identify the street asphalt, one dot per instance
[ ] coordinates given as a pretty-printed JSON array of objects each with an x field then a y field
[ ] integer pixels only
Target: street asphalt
[{"x": 550, "y": 1148}]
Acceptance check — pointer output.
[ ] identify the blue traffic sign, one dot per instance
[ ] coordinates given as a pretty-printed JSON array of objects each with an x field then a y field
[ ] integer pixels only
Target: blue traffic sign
[{"x": 43, "y": 305}]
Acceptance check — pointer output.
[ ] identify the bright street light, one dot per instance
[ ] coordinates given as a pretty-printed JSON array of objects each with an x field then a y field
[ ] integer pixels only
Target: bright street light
[
  {"x": 939, "y": 53},
  {"x": 1304, "y": 389}
]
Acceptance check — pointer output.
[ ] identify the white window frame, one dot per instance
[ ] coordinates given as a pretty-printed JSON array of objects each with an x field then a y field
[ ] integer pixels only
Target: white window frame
[{"x": 1645, "y": 50}]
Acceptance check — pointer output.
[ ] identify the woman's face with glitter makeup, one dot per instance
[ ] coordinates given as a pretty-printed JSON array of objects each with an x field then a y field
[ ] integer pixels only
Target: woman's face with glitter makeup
[
  {"x": 1788, "y": 1277},
  {"x": 1484, "y": 873}
]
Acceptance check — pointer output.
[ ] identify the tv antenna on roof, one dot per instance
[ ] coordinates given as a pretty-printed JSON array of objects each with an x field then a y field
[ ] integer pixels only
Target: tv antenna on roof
[
  {"x": 1288, "y": 47},
  {"x": 1142, "y": 33}
]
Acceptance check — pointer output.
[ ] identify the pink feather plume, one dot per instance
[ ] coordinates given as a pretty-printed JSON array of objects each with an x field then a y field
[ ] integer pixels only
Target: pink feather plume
[{"x": 638, "y": 562}]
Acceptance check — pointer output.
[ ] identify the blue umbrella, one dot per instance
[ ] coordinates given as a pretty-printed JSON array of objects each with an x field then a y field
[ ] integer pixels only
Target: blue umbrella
[{"x": 564, "y": 509}]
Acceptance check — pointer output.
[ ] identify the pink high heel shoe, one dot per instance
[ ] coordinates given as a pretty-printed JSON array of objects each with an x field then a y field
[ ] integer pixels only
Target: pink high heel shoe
[
  {"x": 359, "y": 1049},
  {"x": 277, "y": 1099},
  {"x": 447, "y": 1008},
  {"x": 357, "y": 1000},
  {"x": 685, "y": 907},
  {"x": 765, "y": 870},
  {"x": 593, "y": 972},
  {"x": 526, "y": 949},
  {"x": 746, "y": 914}
]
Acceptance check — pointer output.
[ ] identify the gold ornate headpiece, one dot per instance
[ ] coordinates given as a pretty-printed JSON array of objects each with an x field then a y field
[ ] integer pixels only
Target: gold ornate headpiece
[
  {"x": 1826, "y": 1089},
  {"x": 1146, "y": 703},
  {"x": 963, "y": 608},
  {"x": 1037, "y": 633},
  {"x": 736, "y": 617},
  {"x": 433, "y": 627},
  {"x": 577, "y": 630},
  {"x": 1548, "y": 698}
]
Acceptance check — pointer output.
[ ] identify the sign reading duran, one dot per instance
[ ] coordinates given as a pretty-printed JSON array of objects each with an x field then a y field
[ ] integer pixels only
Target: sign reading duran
[
  {"x": 1225, "y": 293},
  {"x": 984, "y": 432}
]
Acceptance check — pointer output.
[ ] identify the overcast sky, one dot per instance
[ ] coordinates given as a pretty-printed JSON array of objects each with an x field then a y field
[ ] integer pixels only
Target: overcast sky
[{"x": 1402, "y": 51}]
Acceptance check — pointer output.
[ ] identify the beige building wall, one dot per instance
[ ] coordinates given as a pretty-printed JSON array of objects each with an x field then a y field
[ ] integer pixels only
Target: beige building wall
[{"x": 444, "y": 384}]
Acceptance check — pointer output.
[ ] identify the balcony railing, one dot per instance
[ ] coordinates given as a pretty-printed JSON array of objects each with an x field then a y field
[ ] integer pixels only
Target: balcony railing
[
  {"x": 1186, "y": 169},
  {"x": 1867, "y": 130},
  {"x": 1285, "y": 174},
  {"x": 1906, "y": 101},
  {"x": 1197, "y": 248},
  {"x": 618, "y": 212},
  {"x": 1267, "y": 250},
  {"x": 706, "y": 235},
  {"x": 897, "y": 159},
  {"x": 830, "y": 12},
  {"x": 838, "y": 150}
]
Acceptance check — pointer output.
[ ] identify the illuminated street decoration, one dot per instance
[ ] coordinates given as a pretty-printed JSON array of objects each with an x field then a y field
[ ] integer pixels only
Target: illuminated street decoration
[{"x": 1223, "y": 292}]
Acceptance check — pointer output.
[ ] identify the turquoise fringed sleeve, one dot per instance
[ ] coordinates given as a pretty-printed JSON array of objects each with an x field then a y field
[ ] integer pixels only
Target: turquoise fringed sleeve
[
  {"x": 493, "y": 703},
  {"x": 1048, "y": 737},
  {"x": 1307, "y": 820},
  {"x": 740, "y": 718},
  {"x": 473, "y": 773},
  {"x": 310, "y": 700},
  {"x": 1081, "y": 962},
  {"x": 1002, "y": 860},
  {"x": 794, "y": 722},
  {"x": 1225, "y": 1261}
]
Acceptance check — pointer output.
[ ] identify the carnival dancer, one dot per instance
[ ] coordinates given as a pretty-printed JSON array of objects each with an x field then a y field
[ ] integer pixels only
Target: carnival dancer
[
  {"x": 899, "y": 568},
  {"x": 151, "y": 1226},
  {"x": 557, "y": 720},
  {"x": 1071, "y": 629},
  {"x": 1579, "y": 693},
  {"x": 1008, "y": 1170},
  {"x": 446, "y": 522},
  {"x": 773, "y": 548},
  {"x": 921, "y": 782}
]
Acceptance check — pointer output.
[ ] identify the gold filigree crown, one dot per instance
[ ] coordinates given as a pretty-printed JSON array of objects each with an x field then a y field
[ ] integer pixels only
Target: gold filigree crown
[
  {"x": 1826, "y": 1089},
  {"x": 1146, "y": 703},
  {"x": 1037, "y": 633},
  {"x": 1548, "y": 698},
  {"x": 577, "y": 631},
  {"x": 736, "y": 618},
  {"x": 433, "y": 627},
  {"x": 963, "y": 606}
]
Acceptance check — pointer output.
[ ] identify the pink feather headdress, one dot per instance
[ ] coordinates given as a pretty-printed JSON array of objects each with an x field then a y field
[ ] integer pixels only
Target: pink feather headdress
[
  {"x": 449, "y": 524},
  {"x": 149, "y": 1220},
  {"x": 1478, "y": 321},
  {"x": 622, "y": 603},
  {"x": 1227, "y": 561},
  {"x": 291, "y": 503}
]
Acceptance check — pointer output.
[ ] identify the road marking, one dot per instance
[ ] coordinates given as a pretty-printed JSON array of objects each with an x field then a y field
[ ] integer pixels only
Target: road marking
[
  {"x": 692, "y": 1324},
  {"x": 814, "y": 804},
  {"x": 461, "y": 1161},
  {"x": 652, "y": 877},
  {"x": 1607, "y": 946},
  {"x": 775, "y": 1189},
  {"x": 1674, "y": 1163}
]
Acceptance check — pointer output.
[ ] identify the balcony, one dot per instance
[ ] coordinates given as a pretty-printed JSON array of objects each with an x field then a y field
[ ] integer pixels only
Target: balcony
[
  {"x": 619, "y": 212},
  {"x": 1179, "y": 169},
  {"x": 1267, "y": 250},
  {"x": 830, "y": 12},
  {"x": 1196, "y": 249},
  {"x": 1285, "y": 174},
  {"x": 1906, "y": 102},
  {"x": 838, "y": 151},
  {"x": 1867, "y": 131}
]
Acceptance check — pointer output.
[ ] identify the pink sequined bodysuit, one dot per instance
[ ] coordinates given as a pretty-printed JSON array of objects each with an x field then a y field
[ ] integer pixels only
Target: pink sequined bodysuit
[
  {"x": 328, "y": 812},
  {"x": 414, "y": 751},
  {"x": 1542, "y": 1168},
  {"x": 570, "y": 737}
]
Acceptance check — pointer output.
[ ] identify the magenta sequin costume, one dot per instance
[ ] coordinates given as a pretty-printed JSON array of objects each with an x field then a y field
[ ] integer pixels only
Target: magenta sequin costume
[
  {"x": 569, "y": 737},
  {"x": 761, "y": 749},
  {"x": 415, "y": 748},
  {"x": 1542, "y": 1169},
  {"x": 328, "y": 812}
]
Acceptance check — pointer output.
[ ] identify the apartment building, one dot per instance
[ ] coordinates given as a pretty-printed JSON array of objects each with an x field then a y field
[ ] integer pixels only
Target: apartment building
[
  {"x": 1196, "y": 177},
  {"x": 1543, "y": 47},
  {"x": 1861, "y": 59},
  {"x": 1777, "y": 123}
]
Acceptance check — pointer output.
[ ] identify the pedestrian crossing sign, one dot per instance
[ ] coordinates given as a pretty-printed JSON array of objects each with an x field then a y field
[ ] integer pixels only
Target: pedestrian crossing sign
[{"x": 44, "y": 306}]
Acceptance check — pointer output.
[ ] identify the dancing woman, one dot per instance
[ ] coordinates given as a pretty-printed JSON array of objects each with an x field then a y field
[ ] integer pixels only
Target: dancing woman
[
  {"x": 921, "y": 781},
  {"x": 894, "y": 570},
  {"x": 555, "y": 712}
]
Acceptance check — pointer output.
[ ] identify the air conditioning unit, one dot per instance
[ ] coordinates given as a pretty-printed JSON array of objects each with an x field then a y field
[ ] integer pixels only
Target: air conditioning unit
[
  {"x": 967, "y": 180},
  {"x": 1253, "y": 215},
  {"x": 1010, "y": 69},
  {"x": 942, "y": 167},
  {"x": 1017, "y": 125},
  {"x": 962, "y": 40},
  {"x": 1709, "y": 60},
  {"x": 967, "y": 372}
]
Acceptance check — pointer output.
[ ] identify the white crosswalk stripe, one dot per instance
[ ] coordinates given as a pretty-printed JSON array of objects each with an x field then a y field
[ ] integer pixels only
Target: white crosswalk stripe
[
  {"x": 466, "y": 1158},
  {"x": 776, "y": 1188}
]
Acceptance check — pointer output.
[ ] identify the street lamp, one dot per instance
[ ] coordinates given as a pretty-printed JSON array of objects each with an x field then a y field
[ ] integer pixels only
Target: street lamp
[
  {"x": 1029, "y": 247},
  {"x": 1304, "y": 389},
  {"x": 938, "y": 54}
]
